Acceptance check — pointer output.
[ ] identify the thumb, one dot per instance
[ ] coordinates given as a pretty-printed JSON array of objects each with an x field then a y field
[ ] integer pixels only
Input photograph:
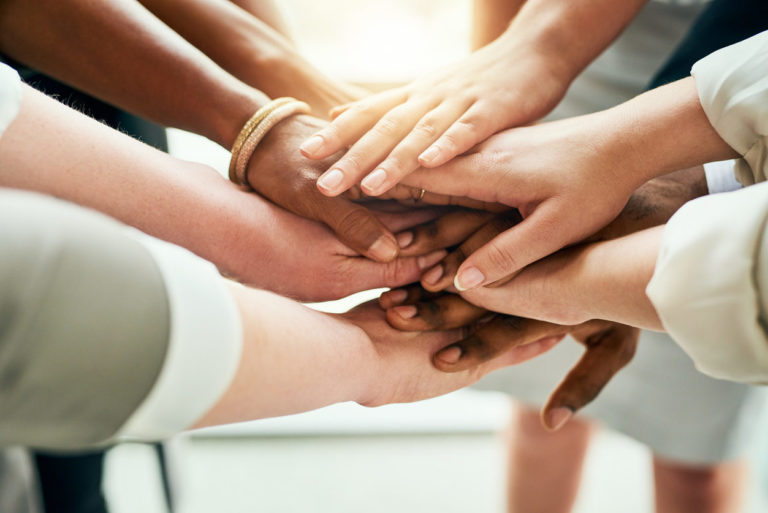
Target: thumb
[
  {"x": 358, "y": 228},
  {"x": 536, "y": 237}
]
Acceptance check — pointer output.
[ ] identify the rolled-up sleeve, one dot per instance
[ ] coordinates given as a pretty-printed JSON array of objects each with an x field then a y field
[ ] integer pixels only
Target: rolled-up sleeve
[
  {"x": 102, "y": 332},
  {"x": 710, "y": 285},
  {"x": 733, "y": 89}
]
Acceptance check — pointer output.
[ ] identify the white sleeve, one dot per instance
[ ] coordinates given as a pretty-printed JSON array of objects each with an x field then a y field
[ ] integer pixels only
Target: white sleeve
[
  {"x": 10, "y": 96},
  {"x": 733, "y": 89},
  {"x": 203, "y": 350},
  {"x": 721, "y": 176},
  {"x": 710, "y": 286}
]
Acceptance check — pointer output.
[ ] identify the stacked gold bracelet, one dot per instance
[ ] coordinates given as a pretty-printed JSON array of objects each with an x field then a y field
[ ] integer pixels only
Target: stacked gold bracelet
[{"x": 255, "y": 129}]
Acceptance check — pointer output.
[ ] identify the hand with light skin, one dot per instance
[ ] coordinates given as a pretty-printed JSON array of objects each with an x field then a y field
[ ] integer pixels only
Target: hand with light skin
[
  {"x": 609, "y": 345},
  {"x": 516, "y": 79},
  {"x": 296, "y": 359},
  {"x": 570, "y": 178},
  {"x": 547, "y": 290}
]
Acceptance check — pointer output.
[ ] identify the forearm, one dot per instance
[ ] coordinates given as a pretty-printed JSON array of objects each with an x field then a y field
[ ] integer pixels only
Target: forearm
[
  {"x": 118, "y": 51},
  {"x": 570, "y": 34},
  {"x": 51, "y": 149},
  {"x": 656, "y": 133},
  {"x": 294, "y": 359},
  {"x": 251, "y": 50},
  {"x": 615, "y": 275}
]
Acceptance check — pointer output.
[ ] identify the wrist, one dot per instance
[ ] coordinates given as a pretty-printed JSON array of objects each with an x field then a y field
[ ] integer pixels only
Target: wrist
[
  {"x": 615, "y": 276},
  {"x": 232, "y": 112},
  {"x": 661, "y": 131}
]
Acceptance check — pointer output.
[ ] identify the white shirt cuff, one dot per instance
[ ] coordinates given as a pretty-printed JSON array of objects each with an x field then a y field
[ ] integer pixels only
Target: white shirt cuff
[
  {"x": 721, "y": 177},
  {"x": 204, "y": 347},
  {"x": 706, "y": 286},
  {"x": 733, "y": 90},
  {"x": 10, "y": 96}
]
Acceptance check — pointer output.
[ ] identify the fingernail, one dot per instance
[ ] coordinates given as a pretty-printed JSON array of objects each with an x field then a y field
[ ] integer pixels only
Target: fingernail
[
  {"x": 374, "y": 180},
  {"x": 330, "y": 180},
  {"x": 558, "y": 417},
  {"x": 406, "y": 312},
  {"x": 427, "y": 261},
  {"x": 450, "y": 355},
  {"x": 396, "y": 296},
  {"x": 429, "y": 155},
  {"x": 404, "y": 239},
  {"x": 311, "y": 145},
  {"x": 384, "y": 249},
  {"x": 433, "y": 275},
  {"x": 468, "y": 278}
]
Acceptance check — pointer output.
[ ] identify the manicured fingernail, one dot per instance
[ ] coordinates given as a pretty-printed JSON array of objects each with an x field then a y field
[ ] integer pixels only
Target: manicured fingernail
[
  {"x": 374, "y": 180},
  {"x": 558, "y": 417},
  {"x": 468, "y": 278},
  {"x": 427, "y": 261},
  {"x": 330, "y": 180},
  {"x": 396, "y": 296},
  {"x": 429, "y": 155},
  {"x": 404, "y": 239},
  {"x": 312, "y": 145},
  {"x": 406, "y": 312},
  {"x": 433, "y": 275},
  {"x": 450, "y": 355},
  {"x": 384, "y": 249}
]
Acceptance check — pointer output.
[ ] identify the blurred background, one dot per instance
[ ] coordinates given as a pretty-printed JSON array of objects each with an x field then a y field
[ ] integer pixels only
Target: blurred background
[{"x": 442, "y": 455}]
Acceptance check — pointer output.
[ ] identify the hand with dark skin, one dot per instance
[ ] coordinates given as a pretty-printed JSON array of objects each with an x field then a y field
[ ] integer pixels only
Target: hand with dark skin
[
  {"x": 281, "y": 174},
  {"x": 609, "y": 346}
]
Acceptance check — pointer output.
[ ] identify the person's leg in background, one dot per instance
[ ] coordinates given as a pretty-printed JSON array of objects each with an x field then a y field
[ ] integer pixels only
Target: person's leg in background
[
  {"x": 544, "y": 469},
  {"x": 710, "y": 488}
]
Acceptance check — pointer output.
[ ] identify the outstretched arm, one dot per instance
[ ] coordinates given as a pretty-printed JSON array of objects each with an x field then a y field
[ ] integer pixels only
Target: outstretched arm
[
  {"x": 49, "y": 148},
  {"x": 252, "y": 51},
  {"x": 120, "y": 52}
]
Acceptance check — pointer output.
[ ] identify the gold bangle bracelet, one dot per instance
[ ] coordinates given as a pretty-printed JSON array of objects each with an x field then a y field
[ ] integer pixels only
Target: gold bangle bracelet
[
  {"x": 249, "y": 126},
  {"x": 261, "y": 130}
]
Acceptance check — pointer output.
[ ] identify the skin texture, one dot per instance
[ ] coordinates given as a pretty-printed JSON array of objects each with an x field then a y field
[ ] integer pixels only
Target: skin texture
[
  {"x": 514, "y": 80},
  {"x": 569, "y": 178}
]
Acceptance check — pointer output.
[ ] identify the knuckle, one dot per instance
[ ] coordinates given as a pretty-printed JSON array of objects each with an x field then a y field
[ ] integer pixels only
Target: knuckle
[
  {"x": 387, "y": 126},
  {"x": 425, "y": 128},
  {"x": 363, "y": 110},
  {"x": 395, "y": 273},
  {"x": 500, "y": 258},
  {"x": 353, "y": 220}
]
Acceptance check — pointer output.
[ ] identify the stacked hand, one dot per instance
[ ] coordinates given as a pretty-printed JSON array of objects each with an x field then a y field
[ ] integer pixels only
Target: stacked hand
[
  {"x": 435, "y": 118},
  {"x": 486, "y": 335},
  {"x": 402, "y": 371}
]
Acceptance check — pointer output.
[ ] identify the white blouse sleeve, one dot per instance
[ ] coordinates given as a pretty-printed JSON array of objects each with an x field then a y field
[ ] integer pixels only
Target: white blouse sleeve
[
  {"x": 10, "y": 96},
  {"x": 203, "y": 350},
  {"x": 733, "y": 89},
  {"x": 710, "y": 286}
]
